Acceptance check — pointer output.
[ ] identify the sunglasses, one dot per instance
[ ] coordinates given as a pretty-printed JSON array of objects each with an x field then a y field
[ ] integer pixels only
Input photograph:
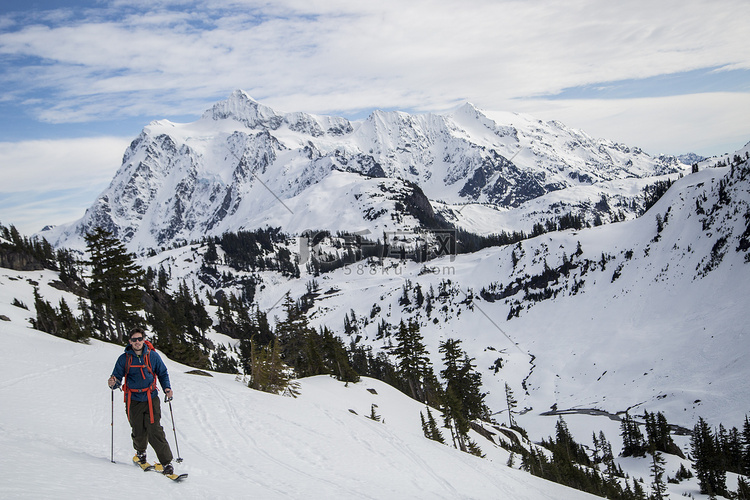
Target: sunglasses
[{"x": 136, "y": 339}]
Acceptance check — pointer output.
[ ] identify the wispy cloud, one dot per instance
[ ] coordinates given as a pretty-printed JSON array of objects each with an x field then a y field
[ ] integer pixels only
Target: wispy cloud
[
  {"x": 59, "y": 164},
  {"x": 336, "y": 55},
  {"x": 54, "y": 181}
]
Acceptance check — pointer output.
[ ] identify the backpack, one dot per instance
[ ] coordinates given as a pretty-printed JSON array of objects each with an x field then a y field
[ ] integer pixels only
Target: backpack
[{"x": 151, "y": 388}]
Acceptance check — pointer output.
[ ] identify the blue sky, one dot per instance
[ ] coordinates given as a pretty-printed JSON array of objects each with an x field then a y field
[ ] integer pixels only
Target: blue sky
[
  {"x": 696, "y": 81},
  {"x": 85, "y": 77}
]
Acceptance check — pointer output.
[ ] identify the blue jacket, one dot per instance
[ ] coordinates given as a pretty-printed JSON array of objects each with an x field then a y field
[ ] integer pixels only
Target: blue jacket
[{"x": 140, "y": 378}]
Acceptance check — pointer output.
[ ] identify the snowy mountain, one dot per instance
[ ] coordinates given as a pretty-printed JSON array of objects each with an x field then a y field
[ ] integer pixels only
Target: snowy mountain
[{"x": 243, "y": 165}]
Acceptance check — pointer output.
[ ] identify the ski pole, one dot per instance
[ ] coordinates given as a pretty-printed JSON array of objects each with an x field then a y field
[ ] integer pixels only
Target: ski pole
[
  {"x": 167, "y": 399},
  {"x": 112, "y": 424}
]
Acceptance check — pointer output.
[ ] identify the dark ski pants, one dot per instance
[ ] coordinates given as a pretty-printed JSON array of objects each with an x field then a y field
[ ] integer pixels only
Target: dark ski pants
[{"x": 145, "y": 433}]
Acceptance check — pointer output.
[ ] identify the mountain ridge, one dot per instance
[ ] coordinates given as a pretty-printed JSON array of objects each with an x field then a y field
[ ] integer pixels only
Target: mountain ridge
[{"x": 242, "y": 165}]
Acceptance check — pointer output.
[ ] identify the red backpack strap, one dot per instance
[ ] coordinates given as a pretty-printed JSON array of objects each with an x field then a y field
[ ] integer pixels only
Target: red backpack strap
[
  {"x": 128, "y": 391},
  {"x": 125, "y": 389}
]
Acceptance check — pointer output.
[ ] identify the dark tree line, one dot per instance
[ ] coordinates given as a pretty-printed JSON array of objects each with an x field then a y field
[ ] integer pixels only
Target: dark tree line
[
  {"x": 562, "y": 460},
  {"x": 718, "y": 451},
  {"x": 653, "y": 193},
  {"x": 25, "y": 254},
  {"x": 259, "y": 250}
]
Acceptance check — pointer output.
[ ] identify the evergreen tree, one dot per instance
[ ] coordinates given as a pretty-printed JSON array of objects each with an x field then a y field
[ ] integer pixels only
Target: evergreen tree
[
  {"x": 512, "y": 404},
  {"x": 658, "y": 432},
  {"x": 658, "y": 486},
  {"x": 413, "y": 361},
  {"x": 566, "y": 448},
  {"x": 463, "y": 401},
  {"x": 425, "y": 431},
  {"x": 731, "y": 450},
  {"x": 432, "y": 428},
  {"x": 115, "y": 283},
  {"x": 335, "y": 357},
  {"x": 710, "y": 474},
  {"x": 86, "y": 320},
  {"x": 418, "y": 295},
  {"x": 454, "y": 419},
  {"x": 45, "y": 314},
  {"x": 211, "y": 255},
  {"x": 269, "y": 373},
  {"x": 59, "y": 321},
  {"x": 633, "y": 444},
  {"x": 607, "y": 457},
  {"x": 683, "y": 473},
  {"x": 596, "y": 456},
  {"x": 373, "y": 414},
  {"x": 473, "y": 448},
  {"x": 638, "y": 492},
  {"x": 293, "y": 332},
  {"x": 69, "y": 326}
]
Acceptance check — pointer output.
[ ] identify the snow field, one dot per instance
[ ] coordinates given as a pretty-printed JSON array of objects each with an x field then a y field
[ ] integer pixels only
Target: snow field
[{"x": 236, "y": 443}]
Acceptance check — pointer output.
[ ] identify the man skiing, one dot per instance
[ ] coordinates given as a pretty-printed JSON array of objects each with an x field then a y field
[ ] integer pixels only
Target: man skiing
[{"x": 141, "y": 365}]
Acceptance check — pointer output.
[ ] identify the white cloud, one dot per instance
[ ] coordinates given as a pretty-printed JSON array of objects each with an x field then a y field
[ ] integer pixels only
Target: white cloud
[
  {"x": 699, "y": 123},
  {"x": 54, "y": 181},
  {"x": 367, "y": 54},
  {"x": 60, "y": 164}
]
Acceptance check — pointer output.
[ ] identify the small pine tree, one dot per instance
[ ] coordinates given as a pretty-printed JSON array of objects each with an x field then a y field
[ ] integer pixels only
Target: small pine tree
[
  {"x": 638, "y": 492},
  {"x": 512, "y": 404},
  {"x": 433, "y": 429},
  {"x": 374, "y": 416},
  {"x": 682, "y": 473},
  {"x": 474, "y": 448},
  {"x": 658, "y": 486}
]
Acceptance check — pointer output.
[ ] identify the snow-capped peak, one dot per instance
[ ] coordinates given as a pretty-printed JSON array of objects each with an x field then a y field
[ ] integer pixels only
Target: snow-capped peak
[{"x": 246, "y": 110}]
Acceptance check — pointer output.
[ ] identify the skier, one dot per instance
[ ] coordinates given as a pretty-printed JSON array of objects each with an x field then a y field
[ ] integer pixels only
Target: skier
[{"x": 141, "y": 365}]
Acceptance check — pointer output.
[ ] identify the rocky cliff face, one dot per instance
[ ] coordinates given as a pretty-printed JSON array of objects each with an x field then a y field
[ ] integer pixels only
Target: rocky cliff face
[{"x": 244, "y": 165}]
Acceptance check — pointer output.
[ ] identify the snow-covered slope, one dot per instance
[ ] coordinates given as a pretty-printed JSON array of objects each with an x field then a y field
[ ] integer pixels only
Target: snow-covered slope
[
  {"x": 244, "y": 165},
  {"x": 55, "y": 432}
]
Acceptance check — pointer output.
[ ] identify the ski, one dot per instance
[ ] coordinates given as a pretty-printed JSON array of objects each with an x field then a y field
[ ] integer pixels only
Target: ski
[
  {"x": 143, "y": 465},
  {"x": 174, "y": 477}
]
